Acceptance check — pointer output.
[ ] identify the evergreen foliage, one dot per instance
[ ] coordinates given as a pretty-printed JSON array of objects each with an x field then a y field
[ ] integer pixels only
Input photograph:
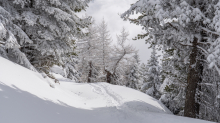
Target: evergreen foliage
[
  {"x": 41, "y": 33},
  {"x": 12, "y": 36},
  {"x": 190, "y": 30},
  {"x": 143, "y": 70},
  {"x": 152, "y": 84},
  {"x": 174, "y": 83},
  {"x": 133, "y": 76}
]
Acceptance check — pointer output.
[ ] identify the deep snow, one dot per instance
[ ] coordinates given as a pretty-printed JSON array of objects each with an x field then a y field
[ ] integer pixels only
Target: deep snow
[{"x": 26, "y": 97}]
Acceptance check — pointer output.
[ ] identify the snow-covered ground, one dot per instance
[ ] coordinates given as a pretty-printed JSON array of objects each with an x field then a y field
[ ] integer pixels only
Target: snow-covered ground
[{"x": 26, "y": 97}]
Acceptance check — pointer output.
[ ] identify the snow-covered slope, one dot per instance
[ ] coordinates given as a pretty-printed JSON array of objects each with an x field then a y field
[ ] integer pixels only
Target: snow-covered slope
[{"x": 26, "y": 97}]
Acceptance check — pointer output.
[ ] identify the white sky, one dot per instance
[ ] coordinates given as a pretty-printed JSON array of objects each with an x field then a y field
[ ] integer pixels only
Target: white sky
[{"x": 110, "y": 10}]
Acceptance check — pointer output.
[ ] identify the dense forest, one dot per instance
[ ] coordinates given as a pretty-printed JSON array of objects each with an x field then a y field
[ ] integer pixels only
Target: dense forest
[{"x": 40, "y": 34}]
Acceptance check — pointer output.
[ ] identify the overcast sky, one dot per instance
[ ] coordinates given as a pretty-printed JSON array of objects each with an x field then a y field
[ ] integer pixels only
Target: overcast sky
[{"x": 110, "y": 10}]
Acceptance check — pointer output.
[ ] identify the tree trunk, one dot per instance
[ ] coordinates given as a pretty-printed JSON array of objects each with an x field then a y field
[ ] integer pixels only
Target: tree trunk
[
  {"x": 199, "y": 88},
  {"x": 191, "y": 108},
  {"x": 90, "y": 72},
  {"x": 200, "y": 62},
  {"x": 108, "y": 76}
]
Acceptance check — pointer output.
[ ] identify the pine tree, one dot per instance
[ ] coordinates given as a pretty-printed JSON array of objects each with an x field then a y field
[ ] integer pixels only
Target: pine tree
[
  {"x": 143, "y": 75},
  {"x": 191, "y": 31},
  {"x": 53, "y": 27},
  {"x": 209, "y": 99},
  {"x": 42, "y": 33},
  {"x": 174, "y": 82},
  {"x": 133, "y": 76},
  {"x": 12, "y": 37},
  {"x": 152, "y": 85},
  {"x": 70, "y": 65}
]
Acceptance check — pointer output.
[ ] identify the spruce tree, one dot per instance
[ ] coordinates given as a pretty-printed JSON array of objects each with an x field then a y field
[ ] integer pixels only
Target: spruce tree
[
  {"x": 191, "y": 29},
  {"x": 143, "y": 75},
  {"x": 133, "y": 75},
  {"x": 42, "y": 33},
  {"x": 210, "y": 95},
  {"x": 53, "y": 27},
  {"x": 12, "y": 36},
  {"x": 174, "y": 81},
  {"x": 152, "y": 85}
]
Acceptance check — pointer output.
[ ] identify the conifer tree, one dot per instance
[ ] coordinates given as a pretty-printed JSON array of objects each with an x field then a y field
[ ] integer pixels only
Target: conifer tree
[
  {"x": 174, "y": 79},
  {"x": 42, "y": 32},
  {"x": 12, "y": 36},
  {"x": 143, "y": 69},
  {"x": 104, "y": 52},
  {"x": 87, "y": 48},
  {"x": 209, "y": 95},
  {"x": 192, "y": 31},
  {"x": 133, "y": 76},
  {"x": 53, "y": 27},
  {"x": 152, "y": 85}
]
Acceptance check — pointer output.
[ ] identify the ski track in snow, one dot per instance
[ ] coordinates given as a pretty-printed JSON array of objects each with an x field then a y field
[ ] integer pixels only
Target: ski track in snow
[{"x": 112, "y": 101}]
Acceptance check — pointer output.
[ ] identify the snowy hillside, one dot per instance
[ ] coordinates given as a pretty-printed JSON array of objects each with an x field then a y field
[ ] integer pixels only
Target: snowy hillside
[{"x": 26, "y": 97}]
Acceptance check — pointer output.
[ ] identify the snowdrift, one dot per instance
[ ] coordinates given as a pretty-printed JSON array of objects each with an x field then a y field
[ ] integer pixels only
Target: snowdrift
[{"x": 26, "y": 97}]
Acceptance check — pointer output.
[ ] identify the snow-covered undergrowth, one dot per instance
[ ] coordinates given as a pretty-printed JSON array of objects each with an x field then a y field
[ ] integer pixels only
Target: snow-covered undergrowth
[{"x": 26, "y": 97}]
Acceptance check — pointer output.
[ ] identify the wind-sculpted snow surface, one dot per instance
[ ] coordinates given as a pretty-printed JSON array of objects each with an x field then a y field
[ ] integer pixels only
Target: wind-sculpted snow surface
[{"x": 26, "y": 97}]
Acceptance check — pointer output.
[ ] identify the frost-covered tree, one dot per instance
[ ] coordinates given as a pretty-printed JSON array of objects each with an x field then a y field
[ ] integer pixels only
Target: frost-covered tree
[
  {"x": 42, "y": 32},
  {"x": 133, "y": 74},
  {"x": 53, "y": 27},
  {"x": 70, "y": 65},
  {"x": 174, "y": 83},
  {"x": 12, "y": 37},
  {"x": 209, "y": 95},
  {"x": 173, "y": 95},
  {"x": 99, "y": 61},
  {"x": 190, "y": 28},
  {"x": 143, "y": 69},
  {"x": 104, "y": 51},
  {"x": 120, "y": 53},
  {"x": 88, "y": 54},
  {"x": 153, "y": 82}
]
